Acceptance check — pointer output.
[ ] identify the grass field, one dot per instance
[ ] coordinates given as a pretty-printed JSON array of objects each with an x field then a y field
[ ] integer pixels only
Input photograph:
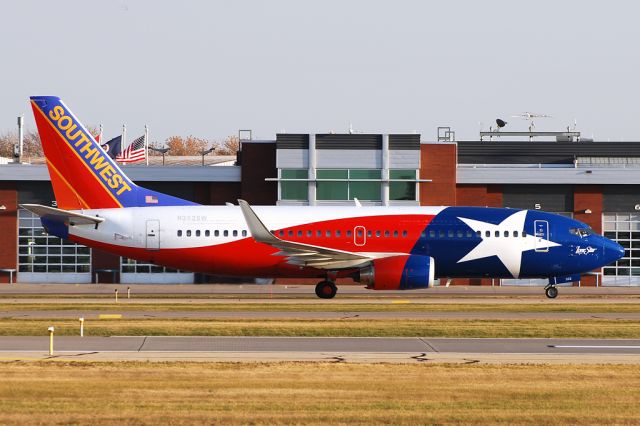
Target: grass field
[
  {"x": 316, "y": 393},
  {"x": 584, "y": 328},
  {"x": 324, "y": 306}
]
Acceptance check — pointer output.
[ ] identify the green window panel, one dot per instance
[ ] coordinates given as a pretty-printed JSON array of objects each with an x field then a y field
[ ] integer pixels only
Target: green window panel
[
  {"x": 368, "y": 191},
  {"x": 294, "y": 190},
  {"x": 332, "y": 174},
  {"x": 293, "y": 173},
  {"x": 365, "y": 174},
  {"x": 402, "y": 190},
  {"x": 332, "y": 191}
]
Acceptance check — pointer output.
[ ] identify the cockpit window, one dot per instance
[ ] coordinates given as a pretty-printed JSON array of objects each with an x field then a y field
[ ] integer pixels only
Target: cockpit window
[{"x": 581, "y": 232}]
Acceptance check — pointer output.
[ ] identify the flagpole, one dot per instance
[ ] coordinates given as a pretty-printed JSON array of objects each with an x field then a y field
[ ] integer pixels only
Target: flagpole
[
  {"x": 124, "y": 138},
  {"x": 146, "y": 143},
  {"x": 101, "y": 135}
]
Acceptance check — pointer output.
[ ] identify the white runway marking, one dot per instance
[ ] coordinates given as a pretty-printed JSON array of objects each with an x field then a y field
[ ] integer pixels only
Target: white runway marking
[{"x": 594, "y": 347}]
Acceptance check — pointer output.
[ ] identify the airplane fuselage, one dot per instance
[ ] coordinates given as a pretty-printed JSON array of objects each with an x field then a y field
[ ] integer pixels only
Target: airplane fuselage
[{"x": 463, "y": 241}]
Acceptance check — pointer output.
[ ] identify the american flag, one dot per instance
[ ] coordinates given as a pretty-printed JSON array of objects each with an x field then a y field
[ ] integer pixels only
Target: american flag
[{"x": 134, "y": 153}]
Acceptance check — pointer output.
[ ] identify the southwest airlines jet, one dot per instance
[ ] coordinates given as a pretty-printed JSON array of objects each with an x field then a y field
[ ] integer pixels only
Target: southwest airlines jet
[{"x": 384, "y": 248}]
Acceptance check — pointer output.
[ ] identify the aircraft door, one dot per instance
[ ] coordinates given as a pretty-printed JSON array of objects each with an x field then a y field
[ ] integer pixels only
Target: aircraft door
[
  {"x": 359, "y": 235},
  {"x": 153, "y": 235},
  {"x": 541, "y": 232}
]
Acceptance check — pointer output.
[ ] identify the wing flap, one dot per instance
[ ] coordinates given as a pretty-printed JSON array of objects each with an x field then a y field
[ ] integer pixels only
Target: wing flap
[{"x": 298, "y": 253}]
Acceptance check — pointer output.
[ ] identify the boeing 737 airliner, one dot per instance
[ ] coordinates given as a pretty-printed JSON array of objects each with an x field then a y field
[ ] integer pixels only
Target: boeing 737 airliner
[{"x": 384, "y": 248}]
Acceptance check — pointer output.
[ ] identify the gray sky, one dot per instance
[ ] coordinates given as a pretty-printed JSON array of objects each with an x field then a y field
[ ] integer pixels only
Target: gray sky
[{"x": 209, "y": 68}]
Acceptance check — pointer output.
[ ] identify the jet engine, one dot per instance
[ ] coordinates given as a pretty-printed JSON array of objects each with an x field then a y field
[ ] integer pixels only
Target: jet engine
[{"x": 398, "y": 273}]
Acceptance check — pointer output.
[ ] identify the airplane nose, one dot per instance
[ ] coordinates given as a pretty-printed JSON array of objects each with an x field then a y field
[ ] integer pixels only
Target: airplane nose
[{"x": 612, "y": 251}]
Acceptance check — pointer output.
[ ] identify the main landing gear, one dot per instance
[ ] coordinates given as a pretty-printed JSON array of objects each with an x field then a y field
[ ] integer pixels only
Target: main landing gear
[
  {"x": 326, "y": 289},
  {"x": 551, "y": 291}
]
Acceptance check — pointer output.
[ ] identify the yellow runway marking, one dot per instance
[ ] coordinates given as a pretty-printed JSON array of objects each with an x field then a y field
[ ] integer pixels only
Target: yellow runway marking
[{"x": 109, "y": 316}]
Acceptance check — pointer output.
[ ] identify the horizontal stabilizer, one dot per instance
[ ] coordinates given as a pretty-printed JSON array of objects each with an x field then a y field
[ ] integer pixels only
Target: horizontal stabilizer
[{"x": 71, "y": 218}]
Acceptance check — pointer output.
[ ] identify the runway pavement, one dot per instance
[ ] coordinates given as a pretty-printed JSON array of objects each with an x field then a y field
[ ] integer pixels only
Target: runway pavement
[
  {"x": 304, "y": 291},
  {"x": 90, "y": 314},
  {"x": 356, "y": 349}
]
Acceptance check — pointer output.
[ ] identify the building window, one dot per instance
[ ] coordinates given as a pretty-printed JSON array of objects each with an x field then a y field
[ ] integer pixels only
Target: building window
[
  {"x": 294, "y": 190},
  {"x": 335, "y": 187},
  {"x": 365, "y": 184},
  {"x": 625, "y": 230},
  {"x": 39, "y": 252},
  {"x": 138, "y": 267},
  {"x": 342, "y": 185},
  {"x": 402, "y": 190}
]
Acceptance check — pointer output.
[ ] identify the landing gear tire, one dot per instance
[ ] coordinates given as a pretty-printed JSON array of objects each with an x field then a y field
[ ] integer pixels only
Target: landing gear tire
[
  {"x": 551, "y": 292},
  {"x": 326, "y": 290}
]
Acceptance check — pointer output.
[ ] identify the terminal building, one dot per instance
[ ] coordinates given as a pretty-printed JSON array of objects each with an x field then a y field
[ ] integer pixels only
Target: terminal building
[{"x": 595, "y": 182}]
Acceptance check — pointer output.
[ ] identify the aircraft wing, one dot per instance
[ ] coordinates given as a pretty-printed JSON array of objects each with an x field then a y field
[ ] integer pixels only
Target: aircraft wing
[
  {"x": 60, "y": 215},
  {"x": 299, "y": 253}
]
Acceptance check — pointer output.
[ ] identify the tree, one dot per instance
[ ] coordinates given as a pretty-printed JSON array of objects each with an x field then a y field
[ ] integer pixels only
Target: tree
[
  {"x": 190, "y": 145},
  {"x": 230, "y": 146}
]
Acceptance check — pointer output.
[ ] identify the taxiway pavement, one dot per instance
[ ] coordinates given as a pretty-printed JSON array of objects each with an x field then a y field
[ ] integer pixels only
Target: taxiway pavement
[{"x": 357, "y": 349}]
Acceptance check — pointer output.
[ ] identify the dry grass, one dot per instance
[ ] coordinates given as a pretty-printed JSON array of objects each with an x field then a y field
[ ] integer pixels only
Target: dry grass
[
  {"x": 307, "y": 393},
  {"x": 384, "y": 306},
  {"x": 585, "y": 328}
]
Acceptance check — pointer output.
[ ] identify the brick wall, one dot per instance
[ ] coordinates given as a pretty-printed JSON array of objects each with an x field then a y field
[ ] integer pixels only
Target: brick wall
[
  {"x": 9, "y": 226},
  {"x": 438, "y": 162},
  {"x": 588, "y": 197}
]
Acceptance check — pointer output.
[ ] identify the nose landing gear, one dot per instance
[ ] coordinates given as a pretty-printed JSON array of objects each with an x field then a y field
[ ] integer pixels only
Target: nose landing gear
[
  {"x": 326, "y": 289},
  {"x": 551, "y": 291}
]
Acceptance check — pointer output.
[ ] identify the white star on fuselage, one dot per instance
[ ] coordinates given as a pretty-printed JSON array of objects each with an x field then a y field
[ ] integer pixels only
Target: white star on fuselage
[{"x": 508, "y": 249}]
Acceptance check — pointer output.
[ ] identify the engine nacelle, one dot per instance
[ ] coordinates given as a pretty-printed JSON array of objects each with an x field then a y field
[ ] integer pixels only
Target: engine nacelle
[{"x": 399, "y": 273}]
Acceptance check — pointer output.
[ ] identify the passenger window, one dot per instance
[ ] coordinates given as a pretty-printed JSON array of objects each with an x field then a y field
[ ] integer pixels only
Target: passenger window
[
  {"x": 299, "y": 233},
  {"x": 386, "y": 234},
  {"x": 244, "y": 232},
  {"x": 404, "y": 233},
  {"x": 515, "y": 233},
  {"x": 188, "y": 232},
  {"x": 290, "y": 233},
  {"x": 179, "y": 232},
  {"x": 506, "y": 233},
  {"x": 524, "y": 234},
  {"x": 359, "y": 232},
  {"x": 309, "y": 233},
  {"x": 460, "y": 234},
  {"x": 338, "y": 233},
  {"x": 349, "y": 233},
  {"x": 450, "y": 233},
  {"x": 225, "y": 233},
  {"x": 207, "y": 233},
  {"x": 487, "y": 234},
  {"x": 478, "y": 233},
  {"x": 281, "y": 233},
  {"x": 395, "y": 234},
  {"x": 469, "y": 234},
  {"x": 432, "y": 233},
  {"x": 216, "y": 233},
  {"x": 368, "y": 233},
  {"x": 235, "y": 232},
  {"x": 198, "y": 233},
  {"x": 378, "y": 234},
  {"x": 441, "y": 233},
  {"x": 497, "y": 233},
  {"x": 319, "y": 233},
  {"x": 327, "y": 233}
]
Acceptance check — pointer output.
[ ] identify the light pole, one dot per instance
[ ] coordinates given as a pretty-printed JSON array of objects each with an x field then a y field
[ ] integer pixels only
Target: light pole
[
  {"x": 162, "y": 151},
  {"x": 205, "y": 152}
]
